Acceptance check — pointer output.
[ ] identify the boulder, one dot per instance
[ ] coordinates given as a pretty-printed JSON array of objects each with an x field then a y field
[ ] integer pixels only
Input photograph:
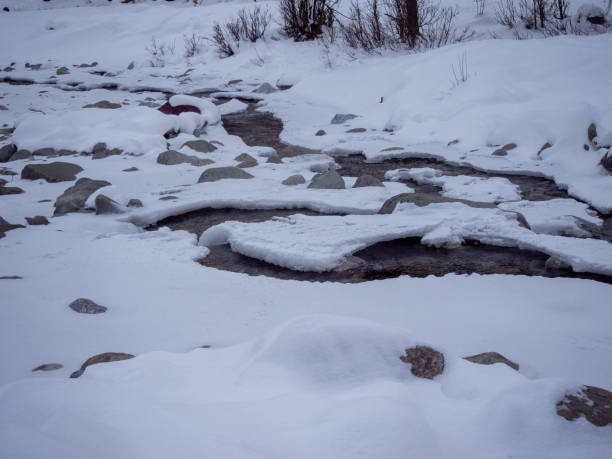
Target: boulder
[
  {"x": 356, "y": 130},
  {"x": 105, "y": 205},
  {"x": 105, "y": 357},
  {"x": 294, "y": 180},
  {"x": 6, "y": 226},
  {"x": 219, "y": 173},
  {"x": 342, "y": 118},
  {"x": 6, "y": 190},
  {"x": 62, "y": 71},
  {"x": 172, "y": 158},
  {"x": 245, "y": 160},
  {"x": 424, "y": 199},
  {"x": 130, "y": 169},
  {"x": 37, "y": 220},
  {"x": 134, "y": 203},
  {"x": 489, "y": 358},
  {"x": 201, "y": 146},
  {"x": 51, "y": 172},
  {"x": 594, "y": 403},
  {"x": 367, "y": 180},
  {"x": 320, "y": 132},
  {"x": 74, "y": 198},
  {"x": 177, "y": 110},
  {"x": 45, "y": 152},
  {"x": 86, "y": 306},
  {"x": 103, "y": 104},
  {"x": 101, "y": 151},
  {"x": 606, "y": 162},
  {"x": 329, "y": 180},
  {"x": 48, "y": 367},
  {"x": 426, "y": 362},
  {"x": 265, "y": 88},
  {"x": 21, "y": 154},
  {"x": 7, "y": 151}
]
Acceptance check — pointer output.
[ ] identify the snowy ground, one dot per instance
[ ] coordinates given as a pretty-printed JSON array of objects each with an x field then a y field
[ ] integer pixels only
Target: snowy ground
[{"x": 296, "y": 368}]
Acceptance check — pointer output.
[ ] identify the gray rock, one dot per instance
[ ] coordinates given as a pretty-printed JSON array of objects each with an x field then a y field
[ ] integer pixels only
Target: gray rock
[
  {"x": 509, "y": 146},
  {"x": 392, "y": 149},
  {"x": 274, "y": 159},
  {"x": 218, "y": 173},
  {"x": 101, "y": 151},
  {"x": 367, "y": 180},
  {"x": 246, "y": 160},
  {"x": 168, "y": 198},
  {"x": 105, "y": 205},
  {"x": 48, "y": 367},
  {"x": 21, "y": 154},
  {"x": 594, "y": 403},
  {"x": 198, "y": 132},
  {"x": 291, "y": 151},
  {"x": 453, "y": 142},
  {"x": 131, "y": 66},
  {"x": 554, "y": 264},
  {"x": 103, "y": 104},
  {"x": 356, "y": 130},
  {"x": 243, "y": 157},
  {"x": 51, "y": 172},
  {"x": 265, "y": 88},
  {"x": 86, "y": 306},
  {"x": 62, "y": 71},
  {"x": 489, "y": 358},
  {"x": 38, "y": 220},
  {"x": 544, "y": 147},
  {"x": 134, "y": 203},
  {"x": 320, "y": 132},
  {"x": 171, "y": 158},
  {"x": 7, "y": 151},
  {"x": 74, "y": 198},
  {"x": 329, "y": 180},
  {"x": 6, "y": 226},
  {"x": 200, "y": 145},
  {"x": 105, "y": 357},
  {"x": 426, "y": 362},
  {"x": 130, "y": 169},
  {"x": 7, "y": 190},
  {"x": 424, "y": 199},
  {"x": 592, "y": 132},
  {"x": 606, "y": 162},
  {"x": 45, "y": 152},
  {"x": 342, "y": 118},
  {"x": 294, "y": 180},
  {"x": 500, "y": 152}
]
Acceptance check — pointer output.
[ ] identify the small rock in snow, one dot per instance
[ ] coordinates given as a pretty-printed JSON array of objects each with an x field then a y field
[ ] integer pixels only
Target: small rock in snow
[
  {"x": 426, "y": 362},
  {"x": 554, "y": 264},
  {"x": 48, "y": 367},
  {"x": 62, "y": 71},
  {"x": 172, "y": 158},
  {"x": 320, "y": 132},
  {"x": 591, "y": 132},
  {"x": 105, "y": 205},
  {"x": 134, "y": 203},
  {"x": 51, "y": 172},
  {"x": 37, "y": 220},
  {"x": 342, "y": 118},
  {"x": 105, "y": 357},
  {"x": 7, "y": 190},
  {"x": 606, "y": 162},
  {"x": 6, "y": 226},
  {"x": 201, "y": 146},
  {"x": 218, "y": 173},
  {"x": 367, "y": 180},
  {"x": 594, "y": 403},
  {"x": 103, "y": 104},
  {"x": 7, "y": 151},
  {"x": 130, "y": 169},
  {"x": 21, "y": 154},
  {"x": 329, "y": 180},
  {"x": 500, "y": 152},
  {"x": 544, "y": 147},
  {"x": 45, "y": 152},
  {"x": 294, "y": 180},
  {"x": 86, "y": 306},
  {"x": 489, "y": 358},
  {"x": 74, "y": 198},
  {"x": 356, "y": 130}
]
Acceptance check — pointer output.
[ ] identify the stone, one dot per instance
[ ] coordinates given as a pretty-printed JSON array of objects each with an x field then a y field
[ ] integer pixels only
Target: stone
[
  {"x": 168, "y": 198},
  {"x": 48, "y": 367},
  {"x": 45, "y": 152},
  {"x": 6, "y": 226},
  {"x": 592, "y": 13},
  {"x": 105, "y": 205},
  {"x": 7, "y": 151},
  {"x": 130, "y": 169},
  {"x": 131, "y": 66},
  {"x": 65, "y": 152},
  {"x": 356, "y": 130},
  {"x": 453, "y": 142},
  {"x": 291, "y": 151},
  {"x": 3, "y": 108},
  {"x": 500, "y": 152},
  {"x": 21, "y": 154},
  {"x": 101, "y": 151},
  {"x": 554, "y": 264},
  {"x": 37, "y": 220},
  {"x": 103, "y": 104},
  {"x": 592, "y": 132},
  {"x": 86, "y": 306},
  {"x": 367, "y": 180},
  {"x": 201, "y": 146},
  {"x": 62, "y": 71},
  {"x": 342, "y": 118},
  {"x": 423, "y": 199},
  {"x": 177, "y": 110},
  {"x": 105, "y": 357},
  {"x": 294, "y": 180},
  {"x": 134, "y": 203},
  {"x": 606, "y": 162},
  {"x": 200, "y": 131},
  {"x": 234, "y": 82},
  {"x": 7, "y": 190},
  {"x": 426, "y": 362},
  {"x": 51, "y": 172},
  {"x": 218, "y": 173},
  {"x": 392, "y": 149},
  {"x": 509, "y": 146},
  {"x": 544, "y": 147},
  {"x": 489, "y": 358},
  {"x": 265, "y": 88},
  {"x": 320, "y": 132},
  {"x": 74, "y": 198},
  {"x": 329, "y": 180},
  {"x": 172, "y": 158},
  {"x": 273, "y": 158},
  {"x": 594, "y": 403},
  {"x": 245, "y": 160}
]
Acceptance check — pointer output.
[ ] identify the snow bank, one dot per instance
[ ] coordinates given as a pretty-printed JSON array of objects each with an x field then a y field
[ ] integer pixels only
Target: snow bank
[{"x": 209, "y": 111}]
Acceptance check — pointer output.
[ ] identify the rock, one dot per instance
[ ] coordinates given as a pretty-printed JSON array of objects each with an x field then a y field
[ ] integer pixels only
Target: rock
[
  {"x": 320, "y": 132},
  {"x": 51, "y": 172},
  {"x": 168, "y": 198},
  {"x": 426, "y": 362},
  {"x": 329, "y": 180},
  {"x": 103, "y": 104},
  {"x": 170, "y": 110},
  {"x": 554, "y": 264},
  {"x": 219, "y": 173},
  {"x": 246, "y": 160},
  {"x": 356, "y": 130},
  {"x": 274, "y": 159},
  {"x": 198, "y": 132},
  {"x": 606, "y": 162},
  {"x": 422, "y": 199},
  {"x": 392, "y": 149},
  {"x": 172, "y": 158},
  {"x": 48, "y": 367},
  {"x": 500, "y": 152},
  {"x": 200, "y": 145},
  {"x": 7, "y": 190},
  {"x": 544, "y": 147},
  {"x": 367, "y": 180},
  {"x": 2, "y": 182},
  {"x": 234, "y": 81},
  {"x": 130, "y": 169},
  {"x": 592, "y": 132},
  {"x": 342, "y": 118},
  {"x": 489, "y": 358},
  {"x": 86, "y": 66},
  {"x": 105, "y": 357},
  {"x": 100, "y": 151},
  {"x": 62, "y": 71},
  {"x": 265, "y": 88},
  {"x": 594, "y": 403},
  {"x": 509, "y": 146},
  {"x": 45, "y": 152},
  {"x": 131, "y": 66},
  {"x": 6, "y": 226},
  {"x": 64, "y": 152},
  {"x": 586, "y": 147},
  {"x": 38, "y": 220},
  {"x": 21, "y": 154},
  {"x": 291, "y": 151},
  {"x": 294, "y": 180},
  {"x": 592, "y": 13},
  {"x": 105, "y": 205},
  {"x": 86, "y": 306},
  {"x": 453, "y": 142},
  {"x": 7, "y": 151},
  {"x": 74, "y": 198},
  {"x": 134, "y": 203},
  {"x": 3, "y": 108}
]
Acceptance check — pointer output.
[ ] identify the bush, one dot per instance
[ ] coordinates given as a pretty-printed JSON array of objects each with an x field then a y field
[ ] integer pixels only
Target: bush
[
  {"x": 249, "y": 25},
  {"x": 305, "y": 19}
]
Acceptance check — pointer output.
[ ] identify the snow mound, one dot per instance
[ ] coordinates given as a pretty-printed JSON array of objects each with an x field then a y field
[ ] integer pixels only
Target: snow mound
[{"x": 210, "y": 112}]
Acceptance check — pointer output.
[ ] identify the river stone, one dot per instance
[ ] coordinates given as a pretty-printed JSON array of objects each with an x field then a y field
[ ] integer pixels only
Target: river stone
[
  {"x": 105, "y": 357},
  {"x": 426, "y": 362},
  {"x": 177, "y": 110},
  {"x": 453, "y": 142},
  {"x": 45, "y": 152},
  {"x": 103, "y": 104},
  {"x": 7, "y": 190},
  {"x": 86, "y": 306},
  {"x": 74, "y": 198},
  {"x": 134, "y": 203},
  {"x": 21, "y": 154},
  {"x": 37, "y": 220},
  {"x": 172, "y": 158},
  {"x": 320, "y": 132},
  {"x": 294, "y": 180},
  {"x": 342, "y": 118},
  {"x": 265, "y": 88},
  {"x": 48, "y": 367},
  {"x": 7, "y": 151},
  {"x": 62, "y": 71},
  {"x": 509, "y": 146},
  {"x": 246, "y": 160},
  {"x": 554, "y": 264},
  {"x": 200, "y": 145},
  {"x": 500, "y": 152},
  {"x": 130, "y": 169},
  {"x": 594, "y": 403},
  {"x": 105, "y": 205},
  {"x": 52, "y": 172},
  {"x": 606, "y": 162},
  {"x": 290, "y": 151},
  {"x": 218, "y": 173},
  {"x": 274, "y": 159},
  {"x": 424, "y": 199},
  {"x": 489, "y": 358},
  {"x": 329, "y": 180},
  {"x": 367, "y": 180},
  {"x": 356, "y": 130}
]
